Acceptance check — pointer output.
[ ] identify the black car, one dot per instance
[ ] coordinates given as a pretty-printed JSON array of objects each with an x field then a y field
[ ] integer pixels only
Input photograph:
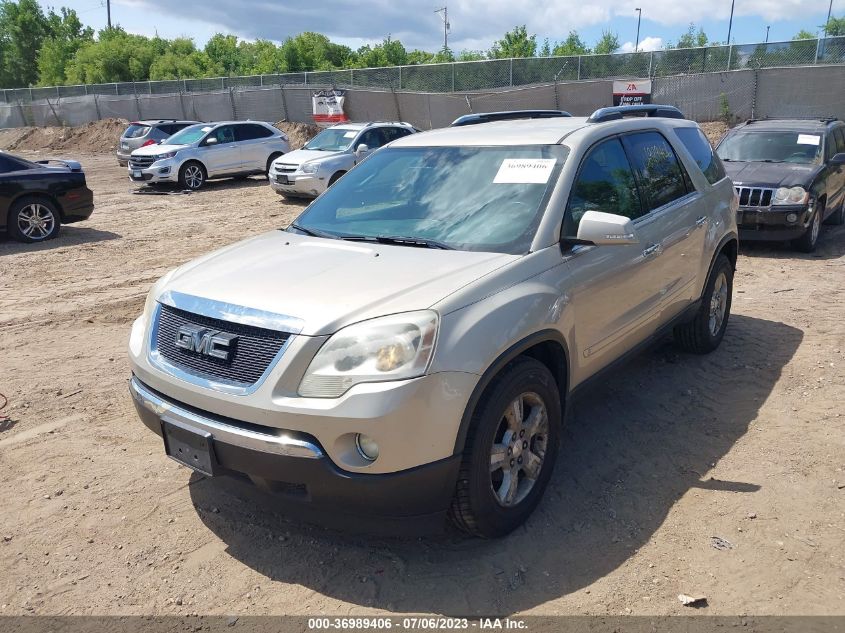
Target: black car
[
  {"x": 36, "y": 198},
  {"x": 789, "y": 175}
]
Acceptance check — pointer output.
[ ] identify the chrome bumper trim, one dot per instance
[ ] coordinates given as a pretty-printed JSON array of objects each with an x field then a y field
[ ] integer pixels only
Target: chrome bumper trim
[{"x": 263, "y": 442}]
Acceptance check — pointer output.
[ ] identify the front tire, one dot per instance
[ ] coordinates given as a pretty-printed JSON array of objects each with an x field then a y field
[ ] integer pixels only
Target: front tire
[
  {"x": 838, "y": 218},
  {"x": 807, "y": 243},
  {"x": 33, "y": 220},
  {"x": 192, "y": 176},
  {"x": 510, "y": 450},
  {"x": 705, "y": 332}
]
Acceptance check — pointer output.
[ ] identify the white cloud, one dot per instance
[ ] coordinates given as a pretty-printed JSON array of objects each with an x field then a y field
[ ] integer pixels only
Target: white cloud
[{"x": 646, "y": 44}]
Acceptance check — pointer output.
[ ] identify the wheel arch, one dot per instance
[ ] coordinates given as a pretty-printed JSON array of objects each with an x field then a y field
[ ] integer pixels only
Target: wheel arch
[
  {"x": 547, "y": 346},
  {"x": 35, "y": 194}
]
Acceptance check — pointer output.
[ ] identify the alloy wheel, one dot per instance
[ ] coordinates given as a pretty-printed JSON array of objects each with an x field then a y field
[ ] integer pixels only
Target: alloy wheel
[
  {"x": 519, "y": 449},
  {"x": 36, "y": 222},
  {"x": 718, "y": 303},
  {"x": 193, "y": 176}
]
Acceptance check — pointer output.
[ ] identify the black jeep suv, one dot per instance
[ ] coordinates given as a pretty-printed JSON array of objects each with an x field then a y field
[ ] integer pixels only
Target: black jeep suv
[{"x": 789, "y": 175}]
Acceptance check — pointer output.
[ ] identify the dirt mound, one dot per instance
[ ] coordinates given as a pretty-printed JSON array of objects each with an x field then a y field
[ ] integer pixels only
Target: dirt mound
[
  {"x": 714, "y": 130},
  {"x": 298, "y": 133},
  {"x": 99, "y": 136}
]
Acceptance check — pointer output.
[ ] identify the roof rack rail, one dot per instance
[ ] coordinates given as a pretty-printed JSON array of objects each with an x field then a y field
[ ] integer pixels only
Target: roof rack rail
[
  {"x": 822, "y": 119},
  {"x": 508, "y": 115},
  {"x": 618, "y": 112}
]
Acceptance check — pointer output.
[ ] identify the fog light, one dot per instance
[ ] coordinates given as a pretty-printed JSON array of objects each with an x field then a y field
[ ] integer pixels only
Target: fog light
[
  {"x": 792, "y": 218},
  {"x": 164, "y": 170},
  {"x": 367, "y": 447}
]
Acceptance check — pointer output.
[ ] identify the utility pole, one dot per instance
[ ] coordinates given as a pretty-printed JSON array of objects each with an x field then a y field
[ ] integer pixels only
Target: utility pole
[
  {"x": 445, "y": 12},
  {"x": 108, "y": 13},
  {"x": 767, "y": 34},
  {"x": 639, "y": 17},
  {"x": 730, "y": 23}
]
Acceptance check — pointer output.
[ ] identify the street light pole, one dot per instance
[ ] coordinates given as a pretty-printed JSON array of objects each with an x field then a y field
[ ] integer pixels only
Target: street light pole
[
  {"x": 767, "y": 34},
  {"x": 639, "y": 18},
  {"x": 108, "y": 12},
  {"x": 730, "y": 23},
  {"x": 829, "y": 9}
]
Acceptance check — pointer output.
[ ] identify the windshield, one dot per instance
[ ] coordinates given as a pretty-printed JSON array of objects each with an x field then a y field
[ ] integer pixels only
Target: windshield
[
  {"x": 332, "y": 140},
  {"x": 136, "y": 130},
  {"x": 189, "y": 135},
  {"x": 774, "y": 147},
  {"x": 469, "y": 198}
]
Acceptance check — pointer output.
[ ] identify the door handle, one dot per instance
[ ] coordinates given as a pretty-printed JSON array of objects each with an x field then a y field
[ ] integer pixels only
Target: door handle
[
  {"x": 701, "y": 221},
  {"x": 654, "y": 249}
]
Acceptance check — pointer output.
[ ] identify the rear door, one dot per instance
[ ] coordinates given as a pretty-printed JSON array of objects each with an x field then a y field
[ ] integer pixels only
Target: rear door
[
  {"x": 836, "y": 190},
  {"x": 614, "y": 289},
  {"x": 253, "y": 140},
  {"x": 675, "y": 224},
  {"x": 224, "y": 156}
]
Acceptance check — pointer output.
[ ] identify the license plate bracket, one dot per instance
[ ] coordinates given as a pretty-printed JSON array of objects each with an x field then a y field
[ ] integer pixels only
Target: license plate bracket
[
  {"x": 136, "y": 174},
  {"x": 189, "y": 447},
  {"x": 283, "y": 180}
]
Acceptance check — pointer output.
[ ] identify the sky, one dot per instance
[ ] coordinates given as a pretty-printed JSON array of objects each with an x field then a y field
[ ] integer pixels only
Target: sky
[{"x": 475, "y": 24}]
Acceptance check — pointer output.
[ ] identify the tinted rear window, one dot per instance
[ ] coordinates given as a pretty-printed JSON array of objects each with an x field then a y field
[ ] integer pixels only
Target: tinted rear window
[
  {"x": 136, "y": 131},
  {"x": 703, "y": 154}
]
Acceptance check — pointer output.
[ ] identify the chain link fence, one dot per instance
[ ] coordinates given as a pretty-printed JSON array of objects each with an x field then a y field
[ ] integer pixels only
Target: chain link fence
[
  {"x": 489, "y": 74},
  {"x": 729, "y": 95}
]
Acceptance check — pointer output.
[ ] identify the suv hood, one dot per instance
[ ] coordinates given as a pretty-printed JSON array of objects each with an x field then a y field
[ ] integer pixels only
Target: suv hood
[
  {"x": 330, "y": 283},
  {"x": 304, "y": 155},
  {"x": 155, "y": 150},
  {"x": 753, "y": 174}
]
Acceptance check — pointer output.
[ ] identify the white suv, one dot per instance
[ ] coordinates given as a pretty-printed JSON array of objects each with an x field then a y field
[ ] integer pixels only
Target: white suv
[
  {"x": 407, "y": 348},
  {"x": 209, "y": 150},
  {"x": 309, "y": 171}
]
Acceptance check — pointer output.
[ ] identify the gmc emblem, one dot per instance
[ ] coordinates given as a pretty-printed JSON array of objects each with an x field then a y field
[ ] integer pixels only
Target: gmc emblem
[{"x": 206, "y": 342}]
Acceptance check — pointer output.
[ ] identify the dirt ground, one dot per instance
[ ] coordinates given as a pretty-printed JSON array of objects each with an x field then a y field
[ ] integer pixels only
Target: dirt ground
[{"x": 673, "y": 453}]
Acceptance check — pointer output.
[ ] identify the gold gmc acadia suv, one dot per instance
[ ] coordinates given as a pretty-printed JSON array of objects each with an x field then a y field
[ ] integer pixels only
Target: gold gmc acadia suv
[{"x": 407, "y": 348}]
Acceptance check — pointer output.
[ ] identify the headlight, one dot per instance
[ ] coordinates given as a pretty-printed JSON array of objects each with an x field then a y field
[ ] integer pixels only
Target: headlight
[
  {"x": 791, "y": 195},
  {"x": 395, "y": 347},
  {"x": 164, "y": 156},
  {"x": 309, "y": 168}
]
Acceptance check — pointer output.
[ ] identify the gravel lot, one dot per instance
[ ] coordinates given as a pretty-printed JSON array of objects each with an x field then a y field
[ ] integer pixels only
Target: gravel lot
[{"x": 747, "y": 445}]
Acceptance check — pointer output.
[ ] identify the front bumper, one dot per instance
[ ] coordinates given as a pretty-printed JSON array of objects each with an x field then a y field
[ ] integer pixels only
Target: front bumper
[
  {"x": 772, "y": 223},
  {"x": 160, "y": 171},
  {"x": 296, "y": 465},
  {"x": 309, "y": 185}
]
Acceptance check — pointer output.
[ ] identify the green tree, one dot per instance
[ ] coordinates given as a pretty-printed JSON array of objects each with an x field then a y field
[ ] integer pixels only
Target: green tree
[
  {"x": 608, "y": 43},
  {"x": 222, "y": 51},
  {"x": 23, "y": 27},
  {"x": 67, "y": 36},
  {"x": 691, "y": 39},
  {"x": 515, "y": 43},
  {"x": 835, "y": 27},
  {"x": 804, "y": 34},
  {"x": 572, "y": 45},
  {"x": 471, "y": 56},
  {"x": 417, "y": 56}
]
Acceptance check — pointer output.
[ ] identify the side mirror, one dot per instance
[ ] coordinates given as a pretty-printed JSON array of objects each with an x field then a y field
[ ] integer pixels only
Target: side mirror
[
  {"x": 838, "y": 159},
  {"x": 211, "y": 140},
  {"x": 363, "y": 148},
  {"x": 606, "y": 229}
]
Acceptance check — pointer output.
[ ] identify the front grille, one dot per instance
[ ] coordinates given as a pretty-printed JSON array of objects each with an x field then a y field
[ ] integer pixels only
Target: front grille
[
  {"x": 252, "y": 353},
  {"x": 140, "y": 162},
  {"x": 285, "y": 169},
  {"x": 755, "y": 196}
]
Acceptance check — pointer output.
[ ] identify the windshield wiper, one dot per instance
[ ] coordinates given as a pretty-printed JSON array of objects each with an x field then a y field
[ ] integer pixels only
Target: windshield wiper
[
  {"x": 770, "y": 160},
  {"x": 313, "y": 232},
  {"x": 398, "y": 240}
]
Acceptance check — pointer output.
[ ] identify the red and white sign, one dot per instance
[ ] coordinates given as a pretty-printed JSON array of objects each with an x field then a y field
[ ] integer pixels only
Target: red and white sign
[
  {"x": 328, "y": 107},
  {"x": 632, "y": 92}
]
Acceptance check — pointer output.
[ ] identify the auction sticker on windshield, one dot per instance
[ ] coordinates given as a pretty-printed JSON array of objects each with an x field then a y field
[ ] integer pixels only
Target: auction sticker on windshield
[
  {"x": 520, "y": 171},
  {"x": 809, "y": 139}
]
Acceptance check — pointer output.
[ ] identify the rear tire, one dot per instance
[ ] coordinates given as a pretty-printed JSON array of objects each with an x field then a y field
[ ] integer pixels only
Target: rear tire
[
  {"x": 807, "y": 243},
  {"x": 270, "y": 160},
  {"x": 510, "y": 450},
  {"x": 705, "y": 332},
  {"x": 33, "y": 219},
  {"x": 192, "y": 175}
]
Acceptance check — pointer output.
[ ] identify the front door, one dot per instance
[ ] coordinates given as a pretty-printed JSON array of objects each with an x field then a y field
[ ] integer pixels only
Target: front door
[
  {"x": 614, "y": 290},
  {"x": 224, "y": 156}
]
